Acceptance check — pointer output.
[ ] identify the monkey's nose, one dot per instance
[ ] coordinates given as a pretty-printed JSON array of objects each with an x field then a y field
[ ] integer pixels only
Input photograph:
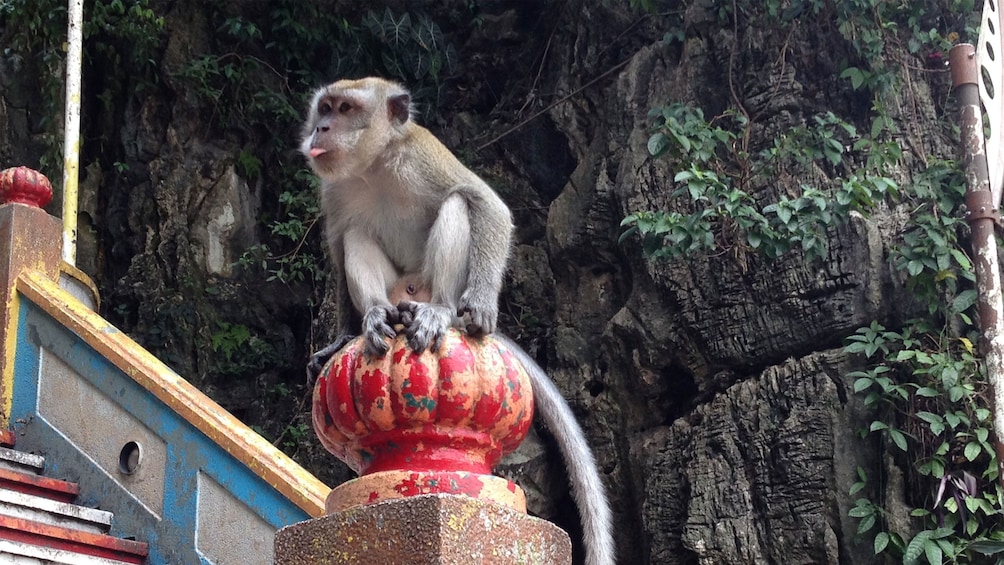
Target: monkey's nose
[{"x": 323, "y": 128}]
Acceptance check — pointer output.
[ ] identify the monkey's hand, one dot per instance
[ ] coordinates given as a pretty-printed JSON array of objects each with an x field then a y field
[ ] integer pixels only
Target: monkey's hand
[
  {"x": 378, "y": 324},
  {"x": 426, "y": 323},
  {"x": 319, "y": 359},
  {"x": 480, "y": 311}
]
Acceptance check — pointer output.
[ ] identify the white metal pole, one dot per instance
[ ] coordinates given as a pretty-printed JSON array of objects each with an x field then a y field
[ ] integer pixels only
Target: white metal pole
[{"x": 71, "y": 129}]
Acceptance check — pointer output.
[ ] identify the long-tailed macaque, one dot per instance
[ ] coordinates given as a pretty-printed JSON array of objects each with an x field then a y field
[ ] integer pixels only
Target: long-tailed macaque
[{"x": 404, "y": 218}]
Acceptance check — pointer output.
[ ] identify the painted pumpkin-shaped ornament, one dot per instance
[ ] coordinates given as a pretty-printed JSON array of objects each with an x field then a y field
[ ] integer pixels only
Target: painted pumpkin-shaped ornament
[
  {"x": 459, "y": 409},
  {"x": 22, "y": 185}
]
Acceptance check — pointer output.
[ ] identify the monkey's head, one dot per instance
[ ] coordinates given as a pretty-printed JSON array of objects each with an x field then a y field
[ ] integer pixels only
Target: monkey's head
[{"x": 351, "y": 123}]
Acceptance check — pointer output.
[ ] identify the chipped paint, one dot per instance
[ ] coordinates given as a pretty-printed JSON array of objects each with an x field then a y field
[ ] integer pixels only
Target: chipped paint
[
  {"x": 28, "y": 242},
  {"x": 391, "y": 485}
]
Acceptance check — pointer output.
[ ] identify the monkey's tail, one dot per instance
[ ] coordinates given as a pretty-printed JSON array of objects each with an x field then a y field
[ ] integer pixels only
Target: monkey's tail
[{"x": 584, "y": 476}]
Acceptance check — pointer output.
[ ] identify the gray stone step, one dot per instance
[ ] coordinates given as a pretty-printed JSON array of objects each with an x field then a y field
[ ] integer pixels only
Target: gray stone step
[
  {"x": 17, "y": 553},
  {"x": 55, "y": 513},
  {"x": 20, "y": 461}
]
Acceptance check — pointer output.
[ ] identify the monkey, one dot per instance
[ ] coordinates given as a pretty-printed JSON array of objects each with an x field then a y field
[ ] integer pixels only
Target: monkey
[{"x": 405, "y": 219}]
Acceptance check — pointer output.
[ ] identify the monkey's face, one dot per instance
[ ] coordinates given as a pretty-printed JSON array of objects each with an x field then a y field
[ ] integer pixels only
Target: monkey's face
[{"x": 349, "y": 127}]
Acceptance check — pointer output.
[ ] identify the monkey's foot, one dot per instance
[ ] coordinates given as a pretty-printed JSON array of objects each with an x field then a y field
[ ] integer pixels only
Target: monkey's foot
[
  {"x": 426, "y": 324},
  {"x": 320, "y": 358},
  {"x": 479, "y": 316}
]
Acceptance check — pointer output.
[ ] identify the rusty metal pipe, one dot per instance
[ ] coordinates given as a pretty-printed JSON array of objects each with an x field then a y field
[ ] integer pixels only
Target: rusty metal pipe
[{"x": 982, "y": 214}]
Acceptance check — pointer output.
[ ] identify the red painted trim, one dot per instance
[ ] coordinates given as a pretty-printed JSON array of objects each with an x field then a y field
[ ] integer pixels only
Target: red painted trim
[
  {"x": 67, "y": 539},
  {"x": 7, "y": 438},
  {"x": 27, "y": 483}
]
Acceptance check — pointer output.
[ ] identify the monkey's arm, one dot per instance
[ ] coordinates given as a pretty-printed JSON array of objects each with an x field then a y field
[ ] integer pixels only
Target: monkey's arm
[{"x": 369, "y": 274}]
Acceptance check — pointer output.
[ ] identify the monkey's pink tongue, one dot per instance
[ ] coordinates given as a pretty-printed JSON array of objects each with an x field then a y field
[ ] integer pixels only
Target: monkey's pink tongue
[{"x": 315, "y": 151}]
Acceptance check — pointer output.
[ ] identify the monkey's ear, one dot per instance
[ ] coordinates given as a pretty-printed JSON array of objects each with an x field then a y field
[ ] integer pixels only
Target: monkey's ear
[{"x": 399, "y": 107}]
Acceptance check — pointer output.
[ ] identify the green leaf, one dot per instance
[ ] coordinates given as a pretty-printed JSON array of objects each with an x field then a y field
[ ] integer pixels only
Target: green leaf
[
  {"x": 657, "y": 144},
  {"x": 973, "y": 450},
  {"x": 862, "y": 507},
  {"x": 898, "y": 438},
  {"x": 916, "y": 547},
  {"x": 964, "y": 300},
  {"x": 878, "y": 425},
  {"x": 881, "y": 542},
  {"x": 933, "y": 553},
  {"x": 784, "y": 214},
  {"x": 987, "y": 547},
  {"x": 857, "y": 77}
]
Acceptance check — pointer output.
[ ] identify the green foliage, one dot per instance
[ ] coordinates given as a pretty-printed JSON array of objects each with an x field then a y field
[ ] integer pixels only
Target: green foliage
[
  {"x": 926, "y": 387},
  {"x": 724, "y": 215},
  {"x": 931, "y": 251},
  {"x": 299, "y": 214},
  {"x": 414, "y": 49},
  {"x": 922, "y": 28},
  {"x": 247, "y": 90},
  {"x": 121, "y": 36},
  {"x": 241, "y": 350},
  {"x": 927, "y": 391}
]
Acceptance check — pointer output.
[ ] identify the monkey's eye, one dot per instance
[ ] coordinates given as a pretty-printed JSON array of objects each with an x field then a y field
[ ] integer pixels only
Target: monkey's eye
[
  {"x": 344, "y": 108},
  {"x": 324, "y": 108}
]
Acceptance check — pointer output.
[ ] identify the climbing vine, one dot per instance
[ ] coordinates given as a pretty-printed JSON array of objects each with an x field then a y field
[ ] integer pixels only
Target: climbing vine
[{"x": 923, "y": 380}]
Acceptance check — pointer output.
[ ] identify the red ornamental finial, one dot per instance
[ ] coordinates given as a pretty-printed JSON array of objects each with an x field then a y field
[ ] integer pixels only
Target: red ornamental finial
[
  {"x": 457, "y": 410},
  {"x": 24, "y": 186},
  {"x": 431, "y": 422}
]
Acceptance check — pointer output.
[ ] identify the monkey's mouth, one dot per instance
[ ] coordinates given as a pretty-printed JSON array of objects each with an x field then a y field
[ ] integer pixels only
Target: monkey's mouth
[{"x": 316, "y": 152}]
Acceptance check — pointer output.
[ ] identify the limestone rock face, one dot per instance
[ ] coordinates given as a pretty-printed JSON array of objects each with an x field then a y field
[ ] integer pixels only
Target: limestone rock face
[{"x": 712, "y": 387}]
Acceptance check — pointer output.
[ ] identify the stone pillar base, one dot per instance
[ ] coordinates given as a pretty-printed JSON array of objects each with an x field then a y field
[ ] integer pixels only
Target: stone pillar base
[{"x": 431, "y": 529}]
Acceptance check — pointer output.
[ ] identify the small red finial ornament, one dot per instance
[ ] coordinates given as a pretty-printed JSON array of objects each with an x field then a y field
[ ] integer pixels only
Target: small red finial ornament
[
  {"x": 22, "y": 185},
  {"x": 429, "y": 422}
]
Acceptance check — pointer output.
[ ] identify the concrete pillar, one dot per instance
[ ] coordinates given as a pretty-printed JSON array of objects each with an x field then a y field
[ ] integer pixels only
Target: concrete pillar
[{"x": 29, "y": 240}]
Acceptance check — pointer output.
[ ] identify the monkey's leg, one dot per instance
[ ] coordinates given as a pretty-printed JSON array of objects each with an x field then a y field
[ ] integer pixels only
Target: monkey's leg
[
  {"x": 491, "y": 233},
  {"x": 447, "y": 256},
  {"x": 369, "y": 276}
]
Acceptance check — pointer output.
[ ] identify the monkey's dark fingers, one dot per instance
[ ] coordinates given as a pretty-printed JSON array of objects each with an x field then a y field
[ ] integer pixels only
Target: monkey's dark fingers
[
  {"x": 475, "y": 330},
  {"x": 422, "y": 338}
]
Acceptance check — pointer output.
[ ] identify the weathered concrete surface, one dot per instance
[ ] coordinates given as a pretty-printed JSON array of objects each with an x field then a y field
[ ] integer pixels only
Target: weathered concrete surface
[{"x": 425, "y": 529}]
